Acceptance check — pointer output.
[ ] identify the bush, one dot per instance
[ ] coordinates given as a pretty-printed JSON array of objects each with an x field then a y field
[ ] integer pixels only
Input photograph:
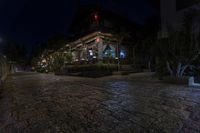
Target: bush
[
  {"x": 91, "y": 70},
  {"x": 93, "y": 67},
  {"x": 175, "y": 80}
]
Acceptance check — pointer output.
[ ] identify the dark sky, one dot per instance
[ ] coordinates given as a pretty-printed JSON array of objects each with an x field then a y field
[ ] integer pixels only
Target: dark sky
[{"x": 32, "y": 21}]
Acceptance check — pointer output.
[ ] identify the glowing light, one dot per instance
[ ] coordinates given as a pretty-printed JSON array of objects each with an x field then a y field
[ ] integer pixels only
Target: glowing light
[
  {"x": 98, "y": 40},
  {"x": 122, "y": 54},
  {"x": 44, "y": 61},
  {"x": 96, "y": 17},
  {"x": 91, "y": 53}
]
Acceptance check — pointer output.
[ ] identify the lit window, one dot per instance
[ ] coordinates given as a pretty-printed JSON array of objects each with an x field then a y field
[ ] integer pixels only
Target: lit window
[
  {"x": 122, "y": 54},
  {"x": 108, "y": 52},
  {"x": 90, "y": 52}
]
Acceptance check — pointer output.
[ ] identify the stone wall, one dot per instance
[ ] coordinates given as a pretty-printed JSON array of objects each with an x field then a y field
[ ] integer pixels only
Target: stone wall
[{"x": 4, "y": 68}]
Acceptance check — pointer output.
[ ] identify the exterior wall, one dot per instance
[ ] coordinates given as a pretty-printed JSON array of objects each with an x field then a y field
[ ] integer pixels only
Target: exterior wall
[
  {"x": 170, "y": 16},
  {"x": 5, "y": 68}
]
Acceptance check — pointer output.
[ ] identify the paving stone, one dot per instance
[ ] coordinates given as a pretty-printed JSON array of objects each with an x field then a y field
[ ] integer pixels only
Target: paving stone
[{"x": 46, "y": 103}]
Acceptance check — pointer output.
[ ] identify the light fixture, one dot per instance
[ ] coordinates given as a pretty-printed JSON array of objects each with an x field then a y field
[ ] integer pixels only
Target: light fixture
[
  {"x": 91, "y": 53},
  {"x": 44, "y": 61},
  {"x": 98, "y": 40},
  {"x": 122, "y": 54}
]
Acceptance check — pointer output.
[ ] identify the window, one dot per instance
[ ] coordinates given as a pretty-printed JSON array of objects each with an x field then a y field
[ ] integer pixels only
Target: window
[
  {"x": 109, "y": 52},
  {"x": 122, "y": 53}
]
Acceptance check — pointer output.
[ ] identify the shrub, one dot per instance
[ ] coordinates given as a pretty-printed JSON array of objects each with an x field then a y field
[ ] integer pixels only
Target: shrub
[
  {"x": 91, "y": 70},
  {"x": 91, "y": 67},
  {"x": 175, "y": 80}
]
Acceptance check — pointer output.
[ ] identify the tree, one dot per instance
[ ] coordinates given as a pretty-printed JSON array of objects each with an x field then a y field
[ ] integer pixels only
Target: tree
[
  {"x": 68, "y": 58},
  {"x": 61, "y": 60},
  {"x": 56, "y": 41},
  {"x": 15, "y": 52},
  {"x": 181, "y": 48},
  {"x": 58, "y": 63}
]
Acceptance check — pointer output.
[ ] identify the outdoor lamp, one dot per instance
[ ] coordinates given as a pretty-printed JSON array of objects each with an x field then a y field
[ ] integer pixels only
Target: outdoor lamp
[
  {"x": 91, "y": 53},
  {"x": 98, "y": 40},
  {"x": 44, "y": 61}
]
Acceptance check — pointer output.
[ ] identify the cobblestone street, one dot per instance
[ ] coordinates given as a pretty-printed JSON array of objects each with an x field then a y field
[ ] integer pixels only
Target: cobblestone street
[{"x": 44, "y": 103}]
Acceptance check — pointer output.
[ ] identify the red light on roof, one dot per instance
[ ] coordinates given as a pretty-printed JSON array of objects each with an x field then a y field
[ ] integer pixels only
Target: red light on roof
[
  {"x": 96, "y": 17},
  {"x": 98, "y": 40}
]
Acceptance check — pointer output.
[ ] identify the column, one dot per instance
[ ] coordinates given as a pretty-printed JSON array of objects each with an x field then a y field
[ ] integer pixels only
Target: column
[{"x": 100, "y": 49}]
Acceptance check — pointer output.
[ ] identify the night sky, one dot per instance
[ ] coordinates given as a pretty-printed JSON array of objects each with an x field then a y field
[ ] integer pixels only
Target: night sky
[{"x": 33, "y": 21}]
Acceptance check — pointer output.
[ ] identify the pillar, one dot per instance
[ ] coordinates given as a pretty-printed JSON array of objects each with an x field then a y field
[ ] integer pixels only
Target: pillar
[{"x": 100, "y": 49}]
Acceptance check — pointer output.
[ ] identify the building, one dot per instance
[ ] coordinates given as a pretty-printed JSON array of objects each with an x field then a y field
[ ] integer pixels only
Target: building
[
  {"x": 99, "y": 34},
  {"x": 172, "y": 14},
  {"x": 96, "y": 45},
  {"x": 98, "y": 30}
]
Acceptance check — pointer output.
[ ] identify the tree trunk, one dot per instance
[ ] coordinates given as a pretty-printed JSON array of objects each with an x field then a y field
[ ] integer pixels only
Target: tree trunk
[
  {"x": 183, "y": 70},
  {"x": 169, "y": 68},
  {"x": 178, "y": 71}
]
